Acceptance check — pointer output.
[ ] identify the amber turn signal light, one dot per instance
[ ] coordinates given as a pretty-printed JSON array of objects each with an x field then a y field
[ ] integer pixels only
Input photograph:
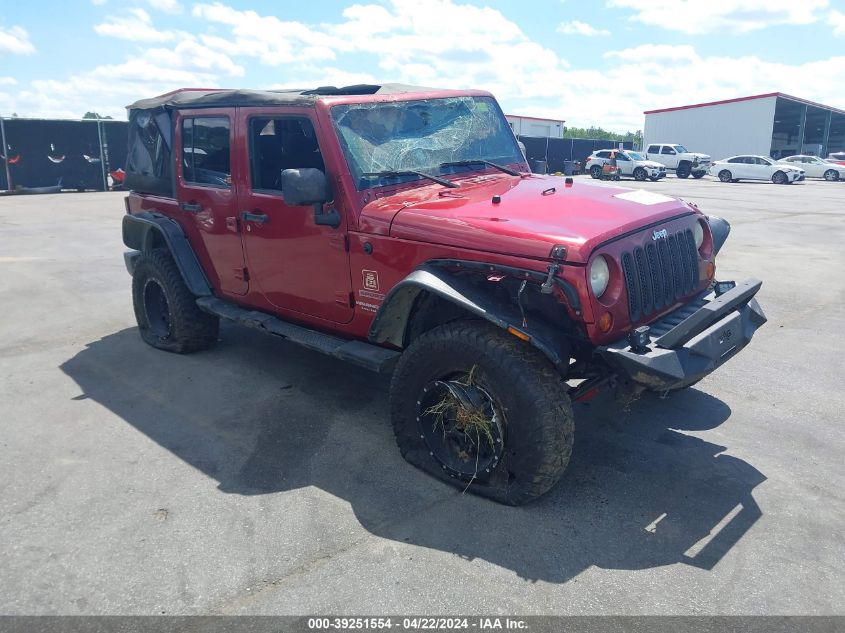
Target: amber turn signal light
[
  {"x": 605, "y": 322},
  {"x": 518, "y": 334}
]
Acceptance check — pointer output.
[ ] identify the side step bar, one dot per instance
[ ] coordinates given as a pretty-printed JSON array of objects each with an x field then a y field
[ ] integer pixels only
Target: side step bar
[{"x": 372, "y": 357}]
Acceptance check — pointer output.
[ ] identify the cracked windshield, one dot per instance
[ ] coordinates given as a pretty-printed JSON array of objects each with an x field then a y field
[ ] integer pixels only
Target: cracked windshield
[{"x": 385, "y": 143}]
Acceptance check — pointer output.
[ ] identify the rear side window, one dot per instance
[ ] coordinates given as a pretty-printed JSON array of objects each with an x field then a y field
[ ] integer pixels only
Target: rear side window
[
  {"x": 206, "y": 151},
  {"x": 149, "y": 164},
  {"x": 653, "y": 149},
  {"x": 738, "y": 159},
  {"x": 603, "y": 154}
]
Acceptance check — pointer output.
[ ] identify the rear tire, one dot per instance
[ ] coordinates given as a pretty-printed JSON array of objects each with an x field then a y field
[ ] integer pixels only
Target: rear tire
[
  {"x": 166, "y": 311},
  {"x": 831, "y": 174},
  {"x": 779, "y": 178},
  {"x": 525, "y": 404},
  {"x": 725, "y": 176},
  {"x": 683, "y": 171},
  {"x": 639, "y": 174},
  {"x": 595, "y": 172}
]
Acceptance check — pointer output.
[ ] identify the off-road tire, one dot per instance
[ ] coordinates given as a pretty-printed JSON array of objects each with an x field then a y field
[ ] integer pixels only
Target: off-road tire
[
  {"x": 595, "y": 172},
  {"x": 683, "y": 170},
  {"x": 639, "y": 174},
  {"x": 779, "y": 178},
  {"x": 538, "y": 421},
  {"x": 176, "y": 325},
  {"x": 831, "y": 174},
  {"x": 698, "y": 174},
  {"x": 726, "y": 176}
]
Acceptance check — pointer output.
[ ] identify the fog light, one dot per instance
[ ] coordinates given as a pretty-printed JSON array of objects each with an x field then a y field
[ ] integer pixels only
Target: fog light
[
  {"x": 639, "y": 339},
  {"x": 605, "y": 322}
]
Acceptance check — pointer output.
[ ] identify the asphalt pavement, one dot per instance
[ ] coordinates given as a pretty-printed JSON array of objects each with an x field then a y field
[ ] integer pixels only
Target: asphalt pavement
[{"x": 262, "y": 478}]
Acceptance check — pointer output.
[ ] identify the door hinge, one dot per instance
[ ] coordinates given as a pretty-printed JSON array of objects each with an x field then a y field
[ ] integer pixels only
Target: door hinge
[{"x": 242, "y": 273}]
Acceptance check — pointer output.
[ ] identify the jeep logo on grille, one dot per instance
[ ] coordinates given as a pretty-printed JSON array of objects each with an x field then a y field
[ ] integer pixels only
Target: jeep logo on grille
[{"x": 658, "y": 234}]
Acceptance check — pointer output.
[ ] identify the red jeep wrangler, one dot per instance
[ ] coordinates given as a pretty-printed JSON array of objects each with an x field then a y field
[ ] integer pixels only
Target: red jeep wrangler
[{"x": 399, "y": 229}]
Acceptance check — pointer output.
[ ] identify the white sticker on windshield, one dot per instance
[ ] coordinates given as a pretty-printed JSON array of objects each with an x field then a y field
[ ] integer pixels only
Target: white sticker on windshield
[{"x": 641, "y": 196}]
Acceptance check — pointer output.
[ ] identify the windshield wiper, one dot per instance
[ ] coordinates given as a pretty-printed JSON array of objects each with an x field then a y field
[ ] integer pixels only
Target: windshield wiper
[
  {"x": 408, "y": 172},
  {"x": 480, "y": 161}
]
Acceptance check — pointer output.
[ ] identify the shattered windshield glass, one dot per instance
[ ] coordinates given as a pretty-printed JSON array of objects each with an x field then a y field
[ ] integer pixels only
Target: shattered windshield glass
[{"x": 381, "y": 139}]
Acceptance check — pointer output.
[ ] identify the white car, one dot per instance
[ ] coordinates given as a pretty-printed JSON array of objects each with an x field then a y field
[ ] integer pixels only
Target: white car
[
  {"x": 815, "y": 167},
  {"x": 738, "y": 168},
  {"x": 630, "y": 163}
]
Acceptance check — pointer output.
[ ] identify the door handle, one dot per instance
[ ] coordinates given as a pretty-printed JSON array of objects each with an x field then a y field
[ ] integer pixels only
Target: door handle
[
  {"x": 259, "y": 218},
  {"x": 190, "y": 207}
]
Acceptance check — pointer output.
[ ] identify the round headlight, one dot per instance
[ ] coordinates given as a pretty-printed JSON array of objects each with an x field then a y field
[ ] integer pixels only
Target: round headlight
[
  {"x": 698, "y": 234},
  {"x": 599, "y": 275}
]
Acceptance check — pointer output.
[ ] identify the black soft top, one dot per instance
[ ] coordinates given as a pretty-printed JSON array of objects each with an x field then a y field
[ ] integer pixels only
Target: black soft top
[{"x": 200, "y": 98}]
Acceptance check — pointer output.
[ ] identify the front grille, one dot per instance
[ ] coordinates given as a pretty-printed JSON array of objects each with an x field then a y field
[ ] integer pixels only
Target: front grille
[{"x": 659, "y": 273}]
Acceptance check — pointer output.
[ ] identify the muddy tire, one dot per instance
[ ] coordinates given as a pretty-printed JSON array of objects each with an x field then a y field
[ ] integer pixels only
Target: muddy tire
[
  {"x": 166, "y": 311},
  {"x": 518, "y": 395}
]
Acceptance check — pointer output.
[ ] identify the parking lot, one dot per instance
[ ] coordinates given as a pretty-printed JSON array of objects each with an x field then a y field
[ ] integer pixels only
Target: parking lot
[{"x": 262, "y": 478}]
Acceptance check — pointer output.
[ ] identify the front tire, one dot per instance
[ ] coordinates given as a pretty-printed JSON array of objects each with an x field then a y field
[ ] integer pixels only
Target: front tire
[
  {"x": 683, "y": 170},
  {"x": 831, "y": 174},
  {"x": 779, "y": 178},
  {"x": 725, "y": 176},
  {"x": 166, "y": 311},
  {"x": 468, "y": 375},
  {"x": 639, "y": 174}
]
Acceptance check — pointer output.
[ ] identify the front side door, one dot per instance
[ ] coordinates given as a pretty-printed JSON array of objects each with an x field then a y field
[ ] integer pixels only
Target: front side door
[
  {"x": 669, "y": 157},
  {"x": 626, "y": 166},
  {"x": 207, "y": 200},
  {"x": 295, "y": 265}
]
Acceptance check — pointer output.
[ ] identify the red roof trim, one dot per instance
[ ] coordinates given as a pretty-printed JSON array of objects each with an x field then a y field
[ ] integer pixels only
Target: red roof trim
[{"x": 738, "y": 99}]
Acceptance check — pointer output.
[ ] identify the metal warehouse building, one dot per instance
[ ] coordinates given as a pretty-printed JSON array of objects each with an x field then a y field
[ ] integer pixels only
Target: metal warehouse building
[{"x": 772, "y": 124}]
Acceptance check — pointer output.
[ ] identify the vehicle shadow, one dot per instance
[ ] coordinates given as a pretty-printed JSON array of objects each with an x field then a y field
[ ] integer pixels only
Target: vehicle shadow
[{"x": 263, "y": 416}]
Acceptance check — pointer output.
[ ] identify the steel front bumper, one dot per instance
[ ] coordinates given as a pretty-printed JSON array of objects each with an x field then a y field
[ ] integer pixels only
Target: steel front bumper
[{"x": 691, "y": 342}]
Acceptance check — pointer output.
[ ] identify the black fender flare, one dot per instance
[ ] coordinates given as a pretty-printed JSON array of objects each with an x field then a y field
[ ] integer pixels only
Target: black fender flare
[
  {"x": 142, "y": 231},
  {"x": 390, "y": 323},
  {"x": 720, "y": 229}
]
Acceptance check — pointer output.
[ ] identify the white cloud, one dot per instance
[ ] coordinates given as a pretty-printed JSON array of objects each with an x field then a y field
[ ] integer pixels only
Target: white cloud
[
  {"x": 168, "y": 6},
  {"x": 580, "y": 28},
  {"x": 8, "y": 81},
  {"x": 97, "y": 3},
  {"x": 137, "y": 27},
  {"x": 836, "y": 19},
  {"x": 697, "y": 17},
  {"x": 15, "y": 40}
]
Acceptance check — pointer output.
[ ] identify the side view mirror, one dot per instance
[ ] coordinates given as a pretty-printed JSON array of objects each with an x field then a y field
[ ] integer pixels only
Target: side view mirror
[{"x": 310, "y": 186}]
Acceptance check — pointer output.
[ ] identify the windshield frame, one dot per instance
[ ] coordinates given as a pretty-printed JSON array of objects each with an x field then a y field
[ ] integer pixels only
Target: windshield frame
[{"x": 358, "y": 165}]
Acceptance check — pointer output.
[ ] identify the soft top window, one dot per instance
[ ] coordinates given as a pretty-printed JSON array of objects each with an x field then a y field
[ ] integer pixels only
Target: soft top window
[{"x": 149, "y": 167}]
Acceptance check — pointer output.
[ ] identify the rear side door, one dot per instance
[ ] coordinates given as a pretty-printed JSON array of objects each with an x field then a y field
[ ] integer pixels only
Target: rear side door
[
  {"x": 295, "y": 265},
  {"x": 207, "y": 199}
]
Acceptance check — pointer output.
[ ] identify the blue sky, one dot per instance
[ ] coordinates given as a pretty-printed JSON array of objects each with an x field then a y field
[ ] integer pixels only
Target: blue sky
[{"x": 591, "y": 63}]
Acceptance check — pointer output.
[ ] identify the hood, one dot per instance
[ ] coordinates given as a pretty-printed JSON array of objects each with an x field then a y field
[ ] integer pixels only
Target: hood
[
  {"x": 535, "y": 213},
  {"x": 648, "y": 163}
]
